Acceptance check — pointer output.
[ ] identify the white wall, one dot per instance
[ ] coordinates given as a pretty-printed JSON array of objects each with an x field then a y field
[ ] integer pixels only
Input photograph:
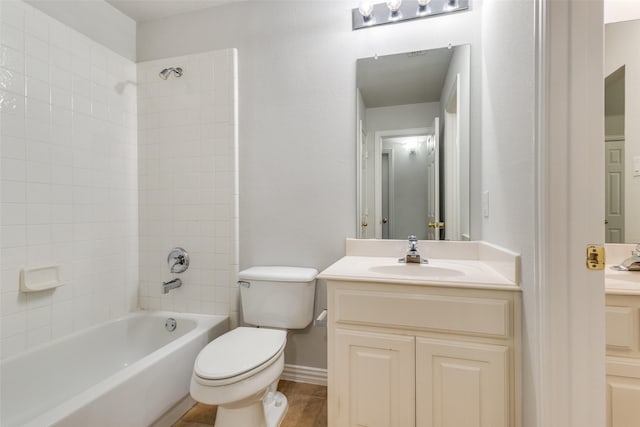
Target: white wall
[
  {"x": 188, "y": 182},
  {"x": 508, "y": 159},
  {"x": 402, "y": 116},
  {"x": 614, "y": 125},
  {"x": 621, "y": 42},
  {"x": 69, "y": 178},
  {"x": 97, "y": 20},
  {"x": 297, "y": 70}
]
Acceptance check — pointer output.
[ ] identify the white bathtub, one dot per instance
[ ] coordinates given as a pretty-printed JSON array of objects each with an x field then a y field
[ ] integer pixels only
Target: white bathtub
[{"x": 126, "y": 372}]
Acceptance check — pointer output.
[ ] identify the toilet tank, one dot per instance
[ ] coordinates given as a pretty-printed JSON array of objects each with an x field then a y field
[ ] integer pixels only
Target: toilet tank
[{"x": 278, "y": 297}]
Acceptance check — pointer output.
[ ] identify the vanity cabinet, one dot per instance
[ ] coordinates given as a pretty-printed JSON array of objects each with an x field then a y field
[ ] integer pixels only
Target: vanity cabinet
[
  {"x": 623, "y": 359},
  {"x": 403, "y": 355}
]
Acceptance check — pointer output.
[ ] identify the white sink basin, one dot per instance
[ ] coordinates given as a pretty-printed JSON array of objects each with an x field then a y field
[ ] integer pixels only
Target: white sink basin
[
  {"x": 621, "y": 281},
  {"x": 450, "y": 272},
  {"x": 436, "y": 270},
  {"x": 632, "y": 277}
]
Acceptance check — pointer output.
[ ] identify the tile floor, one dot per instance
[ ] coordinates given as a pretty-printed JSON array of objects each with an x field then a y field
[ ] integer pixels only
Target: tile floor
[{"x": 307, "y": 408}]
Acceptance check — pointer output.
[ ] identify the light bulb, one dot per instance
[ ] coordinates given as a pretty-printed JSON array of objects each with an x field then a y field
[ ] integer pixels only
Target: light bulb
[
  {"x": 394, "y": 5},
  {"x": 365, "y": 8},
  {"x": 451, "y": 5},
  {"x": 423, "y": 3}
]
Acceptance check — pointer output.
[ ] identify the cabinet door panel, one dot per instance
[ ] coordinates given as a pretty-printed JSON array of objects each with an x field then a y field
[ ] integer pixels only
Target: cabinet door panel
[
  {"x": 375, "y": 379},
  {"x": 621, "y": 328},
  {"x": 461, "y": 384},
  {"x": 623, "y": 401}
]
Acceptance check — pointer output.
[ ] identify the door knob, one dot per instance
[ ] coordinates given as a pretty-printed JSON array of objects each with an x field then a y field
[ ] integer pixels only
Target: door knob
[
  {"x": 385, "y": 220},
  {"x": 436, "y": 225}
]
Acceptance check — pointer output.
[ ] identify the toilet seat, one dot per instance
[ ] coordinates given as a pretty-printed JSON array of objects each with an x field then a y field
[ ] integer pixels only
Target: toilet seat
[{"x": 238, "y": 354}]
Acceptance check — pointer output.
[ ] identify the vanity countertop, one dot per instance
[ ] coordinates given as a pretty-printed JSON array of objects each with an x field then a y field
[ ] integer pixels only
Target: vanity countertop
[
  {"x": 465, "y": 273},
  {"x": 621, "y": 282}
]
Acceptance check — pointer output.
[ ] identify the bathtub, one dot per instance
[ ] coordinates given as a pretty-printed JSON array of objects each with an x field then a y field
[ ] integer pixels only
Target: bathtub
[{"x": 126, "y": 372}]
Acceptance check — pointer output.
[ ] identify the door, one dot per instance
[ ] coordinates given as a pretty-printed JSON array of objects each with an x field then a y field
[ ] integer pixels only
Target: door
[
  {"x": 433, "y": 182},
  {"x": 387, "y": 190},
  {"x": 451, "y": 147},
  {"x": 375, "y": 379},
  {"x": 614, "y": 191},
  {"x": 623, "y": 395},
  {"x": 362, "y": 184},
  {"x": 461, "y": 384}
]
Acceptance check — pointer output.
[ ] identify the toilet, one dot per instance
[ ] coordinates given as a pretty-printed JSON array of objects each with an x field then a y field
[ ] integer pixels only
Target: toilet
[{"x": 239, "y": 371}]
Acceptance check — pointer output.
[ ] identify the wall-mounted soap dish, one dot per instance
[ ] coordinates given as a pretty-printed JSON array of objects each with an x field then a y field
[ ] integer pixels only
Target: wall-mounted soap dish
[{"x": 40, "y": 278}]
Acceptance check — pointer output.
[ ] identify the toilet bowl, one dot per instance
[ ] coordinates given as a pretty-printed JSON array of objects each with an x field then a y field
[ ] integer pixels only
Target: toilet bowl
[{"x": 239, "y": 371}]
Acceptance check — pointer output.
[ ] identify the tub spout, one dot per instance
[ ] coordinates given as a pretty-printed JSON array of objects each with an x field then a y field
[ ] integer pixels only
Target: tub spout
[{"x": 171, "y": 284}]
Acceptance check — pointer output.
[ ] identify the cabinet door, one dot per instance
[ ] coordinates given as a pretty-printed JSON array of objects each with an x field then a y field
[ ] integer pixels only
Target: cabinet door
[
  {"x": 461, "y": 384},
  {"x": 374, "y": 380},
  {"x": 623, "y": 401},
  {"x": 622, "y": 330}
]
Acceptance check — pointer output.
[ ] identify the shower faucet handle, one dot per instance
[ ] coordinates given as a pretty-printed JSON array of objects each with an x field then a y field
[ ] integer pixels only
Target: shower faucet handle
[{"x": 178, "y": 260}]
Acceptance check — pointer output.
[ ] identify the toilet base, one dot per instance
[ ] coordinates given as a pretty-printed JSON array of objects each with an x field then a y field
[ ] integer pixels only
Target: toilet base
[
  {"x": 267, "y": 412},
  {"x": 275, "y": 407}
]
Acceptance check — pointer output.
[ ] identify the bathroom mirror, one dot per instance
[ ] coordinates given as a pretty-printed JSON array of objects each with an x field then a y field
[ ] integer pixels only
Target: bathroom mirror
[
  {"x": 622, "y": 132},
  {"x": 412, "y": 136}
]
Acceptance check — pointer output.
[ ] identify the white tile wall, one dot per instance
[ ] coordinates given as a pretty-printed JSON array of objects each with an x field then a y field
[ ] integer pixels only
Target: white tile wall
[
  {"x": 68, "y": 152},
  {"x": 188, "y": 181}
]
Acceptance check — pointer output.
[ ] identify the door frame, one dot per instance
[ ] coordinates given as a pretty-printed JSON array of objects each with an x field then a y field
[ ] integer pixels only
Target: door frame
[
  {"x": 391, "y": 183},
  {"x": 568, "y": 361},
  {"x": 435, "y": 218},
  {"x": 360, "y": 180},
  {"x": 377, "y": 160}
]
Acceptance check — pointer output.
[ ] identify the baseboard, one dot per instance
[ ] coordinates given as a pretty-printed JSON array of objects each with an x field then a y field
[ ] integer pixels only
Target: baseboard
[
  {"x": 170, "y": 417},
  {"x": 304, "y": 374}
]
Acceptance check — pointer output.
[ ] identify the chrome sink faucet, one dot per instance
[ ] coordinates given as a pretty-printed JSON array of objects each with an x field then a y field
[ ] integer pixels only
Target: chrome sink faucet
[
  {"x": 412, "y": 255},
  {"x": 632, "y": 263}
]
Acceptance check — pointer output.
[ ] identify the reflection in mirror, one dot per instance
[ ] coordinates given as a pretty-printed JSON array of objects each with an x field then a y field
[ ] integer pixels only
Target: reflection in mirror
[
  {"x": 622, "y": 132},
  {"x": 413, "y": 145}
]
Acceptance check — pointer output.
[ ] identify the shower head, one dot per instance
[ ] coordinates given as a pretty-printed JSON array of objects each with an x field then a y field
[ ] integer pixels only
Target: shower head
[{"x": 164, "y": 74}]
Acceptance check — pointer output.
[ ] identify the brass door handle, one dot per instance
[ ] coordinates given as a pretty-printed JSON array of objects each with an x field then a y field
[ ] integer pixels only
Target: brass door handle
[
  {"x": 436, "y": 225},
  {"x": 364, "y": 223}
]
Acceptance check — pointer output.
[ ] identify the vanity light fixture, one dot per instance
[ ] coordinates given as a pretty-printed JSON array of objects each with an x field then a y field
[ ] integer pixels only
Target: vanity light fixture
[
  {"x": 368, "y": 14},
  {"x": 366, "y": 10}
]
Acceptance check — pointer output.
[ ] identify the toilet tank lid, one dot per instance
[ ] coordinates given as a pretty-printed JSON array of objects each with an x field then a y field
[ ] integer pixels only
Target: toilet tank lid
[{"x": 279, "y": 274}]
